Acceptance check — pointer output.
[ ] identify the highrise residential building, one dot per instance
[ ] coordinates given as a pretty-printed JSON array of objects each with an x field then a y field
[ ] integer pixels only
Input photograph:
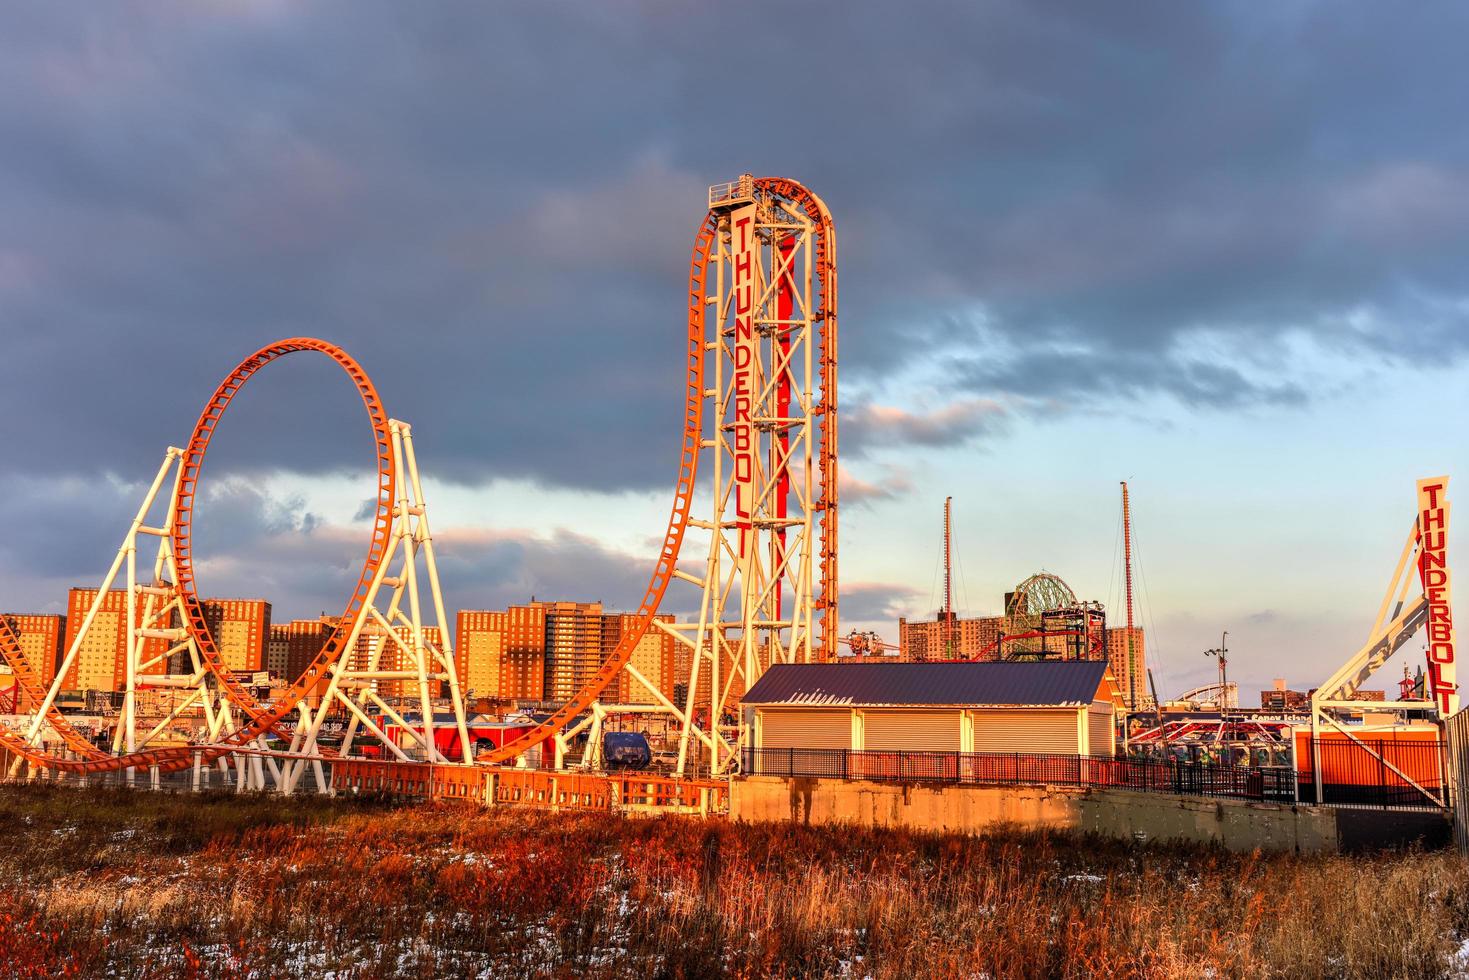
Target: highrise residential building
[
  {"x": 101, "y": 661},
  {"x": 548, "y": 651},
  {"x": 294, "y": 645},
  {"x": 277, "y": 650},
  {"x": 1075, "y": 631},
  {"x": 501, "y": 654},
  {"x": 1129, "y": 668},
  {"x": 41, "y": 637},
  {"x": 966, "y": 639},
  {"x": 479, "y": 653},
  {"x": 397, "y": 655},
  {"x": 241, "y": 630},
  {"x": 573, "y": 647},
  {"x": 653, "y": 657}
]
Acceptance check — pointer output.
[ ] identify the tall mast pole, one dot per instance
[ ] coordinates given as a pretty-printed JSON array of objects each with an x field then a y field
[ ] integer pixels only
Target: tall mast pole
[
  {"x": 1223, "y": 671},
  {"x": 948, "y": 580},
  {"x": 1128, "y": 694}
]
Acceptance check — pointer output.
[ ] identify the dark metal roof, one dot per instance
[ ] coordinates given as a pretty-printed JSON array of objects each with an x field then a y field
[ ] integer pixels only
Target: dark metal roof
[{"x": 1070, "y": 682}]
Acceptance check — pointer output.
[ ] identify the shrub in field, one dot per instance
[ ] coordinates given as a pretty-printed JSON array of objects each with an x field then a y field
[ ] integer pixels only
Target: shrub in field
[
  {"x": 29, "y": 949},
  {"x": 221, "y": 885}
]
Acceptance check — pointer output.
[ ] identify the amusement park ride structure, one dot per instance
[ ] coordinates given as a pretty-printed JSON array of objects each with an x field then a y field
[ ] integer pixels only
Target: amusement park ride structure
[
  {"x": 165, "y": 607},
  {"x": 1405, "y": 609},
  {"x": 758, "y": 458},
  {"x": 1224, "y": 696},
  {"x": 761, "y": 415},
  {"x": 761, "y": 411}
]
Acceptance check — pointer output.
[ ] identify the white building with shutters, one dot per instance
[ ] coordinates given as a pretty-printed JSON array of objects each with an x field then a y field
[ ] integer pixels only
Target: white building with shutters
[{"x": 1037, "y": 708}]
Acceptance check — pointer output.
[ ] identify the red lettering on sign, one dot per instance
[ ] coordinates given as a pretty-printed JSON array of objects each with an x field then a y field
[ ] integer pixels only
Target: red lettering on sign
[
  {"x": 1433, "y": 571},
  {"x": 742, "y": 224}
]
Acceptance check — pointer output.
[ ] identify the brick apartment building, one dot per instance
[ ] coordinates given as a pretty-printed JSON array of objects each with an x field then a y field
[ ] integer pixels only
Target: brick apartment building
[
  {"x": 501, "y": 654},
  {"x": 977, "y": 638},
  {"x": 241, "y": 630},
  {"x": 391, "y": 655},
  {"x": 1129, "y": 668},
  {"x": 292, "y": 646},
  {"x": 101, "y": 661},
  {"x": 921, "y": 641},
  {"x": 573, "y": 647},
  {"x": 41, "y": 639},
  {"x": 547, "y": 651},
  {"x": 653, "y": 657}
]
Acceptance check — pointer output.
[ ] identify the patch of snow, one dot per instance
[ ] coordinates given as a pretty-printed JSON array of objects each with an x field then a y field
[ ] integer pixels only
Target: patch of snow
[{"x": 1459, "y": 963}]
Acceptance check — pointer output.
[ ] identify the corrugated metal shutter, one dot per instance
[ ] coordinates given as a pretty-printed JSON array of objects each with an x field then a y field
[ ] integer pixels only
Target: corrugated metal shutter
[
  {"x": 1101, "y": 732},
  {"x": 1038, "y": 731},
  {"x": 805, "y": 728},
  {"x": 911, "y": 731}
]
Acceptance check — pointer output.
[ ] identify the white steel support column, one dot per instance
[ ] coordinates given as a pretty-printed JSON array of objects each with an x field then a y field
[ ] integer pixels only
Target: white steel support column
[
  {"x": 154, "y": 618},
  {"x": 170, "y": 461},
  {"x": 757, "y": 601},
  {"x": 398, "y": 619},
  {"x": 350, "y": 686}
]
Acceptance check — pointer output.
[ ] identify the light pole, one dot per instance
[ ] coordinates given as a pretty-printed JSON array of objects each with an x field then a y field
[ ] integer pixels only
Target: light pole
[{"x": 1222, "y": 655}]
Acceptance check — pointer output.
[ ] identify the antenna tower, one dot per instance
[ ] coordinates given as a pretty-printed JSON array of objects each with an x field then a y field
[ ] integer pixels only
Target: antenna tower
[
  {"x": 948, "y": 579},
  {"x": 1130, "y": 693}
]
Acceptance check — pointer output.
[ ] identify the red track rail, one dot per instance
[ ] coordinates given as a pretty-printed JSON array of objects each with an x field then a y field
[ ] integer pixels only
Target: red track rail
[
  {"x": 261, "y": 718},
  {"x": 29, "y": 683},
  {"x": 689, "y": 463},
  {"x": 826, "y": 312},
  {"x": 678, "y": 520}
]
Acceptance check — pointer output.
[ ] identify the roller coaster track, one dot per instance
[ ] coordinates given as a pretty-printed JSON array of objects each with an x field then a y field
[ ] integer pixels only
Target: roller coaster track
[
  {"x": 34, "y": 690},
  {"x": 678, "y": 521},
  {"x": 695, "y": 397},
  {"x": 262, "y": 718}
]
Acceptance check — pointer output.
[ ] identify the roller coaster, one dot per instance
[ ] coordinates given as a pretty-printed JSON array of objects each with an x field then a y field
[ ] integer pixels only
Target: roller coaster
[
  {"x": 757, "y": 563},
  {"x": 758, "y": 448}
]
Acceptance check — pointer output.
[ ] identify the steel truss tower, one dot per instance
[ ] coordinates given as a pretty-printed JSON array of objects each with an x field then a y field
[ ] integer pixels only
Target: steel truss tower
[
  {"x": 758, "y": 598},
  {"x": 759, "y": 453}
]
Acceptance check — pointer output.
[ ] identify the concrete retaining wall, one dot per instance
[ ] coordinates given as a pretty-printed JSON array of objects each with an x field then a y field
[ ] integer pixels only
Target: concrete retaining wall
[
  {"x": 963, "y": 809},
  {"x": 1235, "y": 824}
]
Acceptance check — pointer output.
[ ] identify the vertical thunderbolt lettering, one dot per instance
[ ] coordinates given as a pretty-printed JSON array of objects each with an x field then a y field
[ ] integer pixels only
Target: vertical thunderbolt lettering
[
  {"x": 743, "y": 245},
  {"x": 1433, "y": 571}
]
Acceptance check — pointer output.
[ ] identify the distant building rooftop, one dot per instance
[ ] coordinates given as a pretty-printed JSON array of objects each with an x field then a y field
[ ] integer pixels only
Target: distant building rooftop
[{"x": 1055, "y": 683}]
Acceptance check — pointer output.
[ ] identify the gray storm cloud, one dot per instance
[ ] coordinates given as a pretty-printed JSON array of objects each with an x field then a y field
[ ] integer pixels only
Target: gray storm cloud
[{"x": 491, "y": 207}]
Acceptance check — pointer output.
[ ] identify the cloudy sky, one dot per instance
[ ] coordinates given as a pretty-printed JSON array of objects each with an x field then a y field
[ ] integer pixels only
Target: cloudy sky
[{"x": 1220, "y": 250}]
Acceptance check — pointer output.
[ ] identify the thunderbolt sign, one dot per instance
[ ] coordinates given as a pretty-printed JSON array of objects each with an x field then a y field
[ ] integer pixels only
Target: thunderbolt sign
[{"x": 1433, "y": 570}]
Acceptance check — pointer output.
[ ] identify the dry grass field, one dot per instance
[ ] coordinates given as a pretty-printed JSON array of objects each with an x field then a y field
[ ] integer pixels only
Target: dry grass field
[{"x": 111, "y": 883}]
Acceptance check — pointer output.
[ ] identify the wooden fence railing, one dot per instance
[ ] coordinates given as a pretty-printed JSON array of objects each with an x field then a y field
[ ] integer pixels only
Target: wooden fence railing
[{"x": 611, "y": 792}]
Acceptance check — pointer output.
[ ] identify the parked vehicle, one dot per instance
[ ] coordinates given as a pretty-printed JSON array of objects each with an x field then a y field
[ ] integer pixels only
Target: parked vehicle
[{"x": 626, "y": 750}]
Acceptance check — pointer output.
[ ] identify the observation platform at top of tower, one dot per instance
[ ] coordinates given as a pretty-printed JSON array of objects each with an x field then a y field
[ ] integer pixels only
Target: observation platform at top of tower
[{"x": 733, "y": 193}]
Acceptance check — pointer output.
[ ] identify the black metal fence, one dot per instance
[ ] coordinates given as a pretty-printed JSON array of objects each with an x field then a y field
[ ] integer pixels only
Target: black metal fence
[
  {"x": 1457, "y": 729},
  {"x": 1352, "y": 776},
  {"x": 1022, "y": 768}
]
